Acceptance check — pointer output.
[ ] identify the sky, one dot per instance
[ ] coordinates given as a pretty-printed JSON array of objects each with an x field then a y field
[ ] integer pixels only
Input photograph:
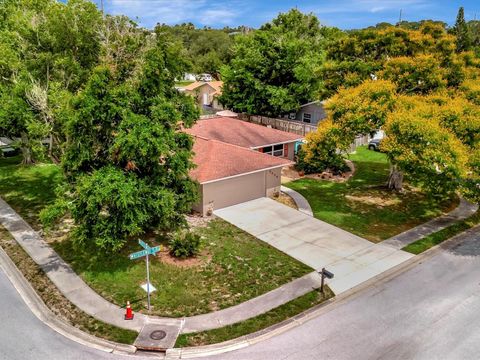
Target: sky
[{"x": 345, "y": 14}]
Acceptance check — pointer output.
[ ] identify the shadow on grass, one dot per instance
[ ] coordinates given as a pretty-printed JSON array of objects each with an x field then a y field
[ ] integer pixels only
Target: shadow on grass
[{"x": 364, "y": 206}]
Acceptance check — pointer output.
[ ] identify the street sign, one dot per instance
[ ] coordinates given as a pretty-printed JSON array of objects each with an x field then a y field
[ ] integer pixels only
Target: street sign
[
  {"x": 138, "y": 254},
  {"x": 143, "y": 244},
  {"x": 154, "y": 250},
  {"x": 149, "y": 288}
]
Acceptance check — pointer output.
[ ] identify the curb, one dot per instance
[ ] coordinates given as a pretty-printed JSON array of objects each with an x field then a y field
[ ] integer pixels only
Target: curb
[
  {"x": 325, "y": 307},
  {"x": 45, "y": 315}
]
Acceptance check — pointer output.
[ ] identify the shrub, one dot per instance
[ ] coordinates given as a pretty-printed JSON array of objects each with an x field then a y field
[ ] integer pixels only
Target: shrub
[
  {"x": 321, "y": 152},
  {"x": 185, "y": 244}
]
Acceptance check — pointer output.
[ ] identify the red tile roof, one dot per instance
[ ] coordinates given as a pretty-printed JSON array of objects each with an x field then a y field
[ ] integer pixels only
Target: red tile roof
[
  {"x": 217, "y": 160},
  {"x": 241, "y": 133}
]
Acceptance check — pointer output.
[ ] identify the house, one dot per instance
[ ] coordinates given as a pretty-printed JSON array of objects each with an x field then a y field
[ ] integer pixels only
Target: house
[
  {"x": 189, "y": 77},
  {"x": 230, "y": 174},
  {"x": 231, "y": 164},
  {"x": 248, "y": 135},
  {"x": 311, "y": 113},
  {"x": 206, "y": 93}
]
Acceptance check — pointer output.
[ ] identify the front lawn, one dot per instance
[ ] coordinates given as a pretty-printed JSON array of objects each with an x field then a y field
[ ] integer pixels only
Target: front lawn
[
  {"x": 232, "y": 267},
  {"x": 28, "y": 189},
  {"x": 363, "y": 206}
]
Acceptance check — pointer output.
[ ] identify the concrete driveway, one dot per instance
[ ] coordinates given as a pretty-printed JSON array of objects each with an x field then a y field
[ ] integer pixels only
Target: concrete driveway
[{"x": 352, "y": 259}]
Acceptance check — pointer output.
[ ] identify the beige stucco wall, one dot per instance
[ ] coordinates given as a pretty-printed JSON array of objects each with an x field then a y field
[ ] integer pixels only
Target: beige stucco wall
[
  {"x": 223, "y": 193},
  {"x": 198, "y": 93}
]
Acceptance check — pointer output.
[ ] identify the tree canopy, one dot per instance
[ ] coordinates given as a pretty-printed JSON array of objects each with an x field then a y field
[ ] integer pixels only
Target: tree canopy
[{"x": 276, "y": 68}]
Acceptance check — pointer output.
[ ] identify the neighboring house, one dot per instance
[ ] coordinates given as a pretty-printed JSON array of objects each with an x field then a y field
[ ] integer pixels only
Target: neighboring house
[
  {"x": 206, "y": 93},
  {"x": 235, "y": 163},
  {"x": 189, "y": 77},
  {"x": 311, "y": 113},
  {"x": 205, "y": 77}
]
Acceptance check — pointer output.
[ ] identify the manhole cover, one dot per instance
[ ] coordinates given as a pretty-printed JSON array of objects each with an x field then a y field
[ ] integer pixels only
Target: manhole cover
[{"x": 158, "y": 335}]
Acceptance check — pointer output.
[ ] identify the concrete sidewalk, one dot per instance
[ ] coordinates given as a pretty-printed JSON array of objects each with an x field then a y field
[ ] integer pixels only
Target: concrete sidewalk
[
  {"x": 299, "y": 199},
  {"x": 352, "y": 259},
  {"x": 86, "y": 299},
  {"x": 463, "y": 211}
]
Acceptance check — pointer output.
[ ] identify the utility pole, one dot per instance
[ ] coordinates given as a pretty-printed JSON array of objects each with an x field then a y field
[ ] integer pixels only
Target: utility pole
[
  {"x": 101, "y": 5},
  {"x": 400, "y": 17}
]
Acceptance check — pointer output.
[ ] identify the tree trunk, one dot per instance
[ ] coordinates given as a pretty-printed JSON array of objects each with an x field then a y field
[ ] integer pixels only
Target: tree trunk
[
  {"x": 26, "y": 150},
  {"x": 395, "y": 179}
]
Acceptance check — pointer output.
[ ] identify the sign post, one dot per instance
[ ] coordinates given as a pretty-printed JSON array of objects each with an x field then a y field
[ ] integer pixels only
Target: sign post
[{"x": 147, "y": 251}]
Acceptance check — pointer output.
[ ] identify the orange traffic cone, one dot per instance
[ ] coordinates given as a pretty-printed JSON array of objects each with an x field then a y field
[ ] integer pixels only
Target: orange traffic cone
[{"x": 129, "y": 312}]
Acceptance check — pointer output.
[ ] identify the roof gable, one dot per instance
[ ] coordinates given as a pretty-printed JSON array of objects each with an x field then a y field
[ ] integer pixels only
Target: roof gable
[{"x": 217, "y": 160}]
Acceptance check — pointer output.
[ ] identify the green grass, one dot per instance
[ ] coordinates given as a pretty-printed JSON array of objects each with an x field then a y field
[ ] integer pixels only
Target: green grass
[
  {"x": 363, "y": 205},
  {"x": 28, "y": 189},
  {"x": 184, "y": 83},
  {"x": 431, "y": 240},
  {"x": 54, "y": 299},
  {"x": 260, "y": 322},
  {"x": 232, "y": 268}
]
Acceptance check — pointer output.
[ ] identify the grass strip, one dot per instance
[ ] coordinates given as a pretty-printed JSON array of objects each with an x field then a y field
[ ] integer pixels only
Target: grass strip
[
  {"x": 257, "y": 323},
  {"x": 438, "y": 237},
  {"x": 55, "y": 300}
]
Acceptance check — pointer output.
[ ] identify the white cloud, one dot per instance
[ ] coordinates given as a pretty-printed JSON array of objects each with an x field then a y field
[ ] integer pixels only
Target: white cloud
[
  {"x": 150, "y": 12},
  {"x": 217, "y": 16},
  {"x": 372, "y": 6}
]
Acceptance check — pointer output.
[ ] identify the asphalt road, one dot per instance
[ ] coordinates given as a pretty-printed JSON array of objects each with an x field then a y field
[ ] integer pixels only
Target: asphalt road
[
  {"x": 429, "y": 312},
  {"x": 24, "y": 337}
]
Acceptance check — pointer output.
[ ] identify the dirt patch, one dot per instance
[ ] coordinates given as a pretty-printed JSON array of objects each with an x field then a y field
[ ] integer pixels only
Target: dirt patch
[
  {"x": 286, "y": 200},
  {"x": 201, "y": 259},
  {"x": 291, "y": 174},
  {"x": 196, "y": 220},
  {"x": 374, "y": 200}
]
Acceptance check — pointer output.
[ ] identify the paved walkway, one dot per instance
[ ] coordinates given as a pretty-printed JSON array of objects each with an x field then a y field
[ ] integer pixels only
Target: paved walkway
[
  {"x": 352, "y": 259},
  {"x": 301, "y": 202},
  {"x": 86, "y": 299},
  {"x": 463, "y": 211}
]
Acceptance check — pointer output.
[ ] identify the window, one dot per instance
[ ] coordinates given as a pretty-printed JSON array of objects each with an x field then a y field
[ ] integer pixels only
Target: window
[
  {"x": 276, "y": 150},
  {"x": 307, "y": 118}
]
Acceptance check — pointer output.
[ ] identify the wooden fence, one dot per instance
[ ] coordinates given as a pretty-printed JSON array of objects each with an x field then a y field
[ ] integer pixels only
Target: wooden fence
[{"x": 296, "y": 127}]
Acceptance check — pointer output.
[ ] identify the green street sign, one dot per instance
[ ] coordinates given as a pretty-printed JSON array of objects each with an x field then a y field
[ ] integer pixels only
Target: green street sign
[
  {"x": 148, "y": 251},
  {"x": 143, "y": 244},
  {"x": 153, "y": 250},
  {"x": 138, "y": 254}
]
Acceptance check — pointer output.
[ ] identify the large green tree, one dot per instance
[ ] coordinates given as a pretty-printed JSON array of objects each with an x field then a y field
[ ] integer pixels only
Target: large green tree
[
  {"x": 276, "y": 68},
  {"x": 48, "y": 50},
  {"x": 126, "y": 162}
]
